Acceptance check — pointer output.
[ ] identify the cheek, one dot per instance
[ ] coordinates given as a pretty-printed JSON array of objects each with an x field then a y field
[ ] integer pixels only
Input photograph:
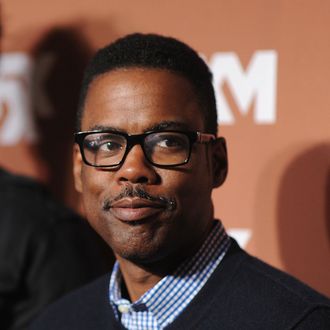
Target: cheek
[
  {"x": 94, "y": 183},
  {"x": 189, "y": 186}
]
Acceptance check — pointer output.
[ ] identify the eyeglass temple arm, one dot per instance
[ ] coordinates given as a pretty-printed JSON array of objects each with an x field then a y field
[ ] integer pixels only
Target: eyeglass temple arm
[{"x": 204, "y": 138}]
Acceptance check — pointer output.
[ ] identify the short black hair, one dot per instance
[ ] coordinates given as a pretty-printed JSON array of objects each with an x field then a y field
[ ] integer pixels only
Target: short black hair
[{"x": 155, "y": 52}]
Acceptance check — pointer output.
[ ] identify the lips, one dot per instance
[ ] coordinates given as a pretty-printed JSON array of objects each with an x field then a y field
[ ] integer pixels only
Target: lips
[{"x": 135, "y": 209}]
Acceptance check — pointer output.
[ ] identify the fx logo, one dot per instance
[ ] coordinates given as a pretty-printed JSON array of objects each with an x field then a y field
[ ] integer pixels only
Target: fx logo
[{"x": 255, "y": 84}]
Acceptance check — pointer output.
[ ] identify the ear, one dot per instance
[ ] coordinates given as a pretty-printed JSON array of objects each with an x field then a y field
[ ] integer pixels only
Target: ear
[
  {"x": 77, "y": 168},
  {"x": 220, "y": 162}
]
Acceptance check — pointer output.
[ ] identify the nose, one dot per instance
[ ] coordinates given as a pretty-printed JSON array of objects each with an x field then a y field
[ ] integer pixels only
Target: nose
[{"x": 136, "y": 168}]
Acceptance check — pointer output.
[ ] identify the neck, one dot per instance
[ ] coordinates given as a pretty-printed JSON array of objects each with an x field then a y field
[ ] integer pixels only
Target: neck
[{"x": 139, "y": 278}]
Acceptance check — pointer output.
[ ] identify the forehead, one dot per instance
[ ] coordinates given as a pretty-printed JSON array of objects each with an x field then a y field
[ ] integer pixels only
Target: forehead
[{"x": 135, "y": 99}]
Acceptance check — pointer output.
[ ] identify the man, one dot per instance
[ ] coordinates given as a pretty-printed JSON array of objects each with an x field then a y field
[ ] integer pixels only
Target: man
[
  {"x": 146, "y": 160},
  {"x": 45, "y": 251}
]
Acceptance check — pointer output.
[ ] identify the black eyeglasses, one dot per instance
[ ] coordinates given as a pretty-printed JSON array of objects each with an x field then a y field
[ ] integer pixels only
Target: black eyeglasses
[{"x": 106, "y": 148}]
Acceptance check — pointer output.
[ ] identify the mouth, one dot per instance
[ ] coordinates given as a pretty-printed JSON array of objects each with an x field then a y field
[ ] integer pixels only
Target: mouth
[{"x": 133, "y": 210}]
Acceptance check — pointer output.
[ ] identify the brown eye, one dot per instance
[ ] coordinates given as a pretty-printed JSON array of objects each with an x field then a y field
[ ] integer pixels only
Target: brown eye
[{"x": 110, "y": 147}]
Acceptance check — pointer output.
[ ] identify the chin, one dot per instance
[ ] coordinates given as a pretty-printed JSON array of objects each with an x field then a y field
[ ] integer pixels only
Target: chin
[
  {"x": 143, "y": 253},
  {"x": 138, "y": 257}
]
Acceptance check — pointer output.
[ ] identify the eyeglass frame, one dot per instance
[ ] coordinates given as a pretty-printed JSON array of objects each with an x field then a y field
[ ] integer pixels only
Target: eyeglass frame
[{"x": 134, "y": 139}]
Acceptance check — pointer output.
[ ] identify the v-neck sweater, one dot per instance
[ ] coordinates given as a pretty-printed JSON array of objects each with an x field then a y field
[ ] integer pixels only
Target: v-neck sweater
[{"x": 242, "y": 293}]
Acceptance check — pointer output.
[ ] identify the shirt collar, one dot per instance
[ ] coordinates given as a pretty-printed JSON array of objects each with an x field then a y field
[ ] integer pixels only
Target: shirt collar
[{"x": 175, "y": 291}]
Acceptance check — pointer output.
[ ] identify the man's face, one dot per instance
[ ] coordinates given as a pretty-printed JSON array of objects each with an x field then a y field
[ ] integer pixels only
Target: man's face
[{"x": 140, "y": 228}]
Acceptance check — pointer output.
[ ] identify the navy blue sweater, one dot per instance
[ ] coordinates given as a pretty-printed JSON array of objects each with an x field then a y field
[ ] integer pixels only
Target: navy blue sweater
[{"x": 243, "y": 293}]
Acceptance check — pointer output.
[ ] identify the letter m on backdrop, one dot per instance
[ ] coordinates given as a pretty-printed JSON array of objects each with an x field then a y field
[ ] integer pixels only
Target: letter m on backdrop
[{"x": 255, "y": 84}]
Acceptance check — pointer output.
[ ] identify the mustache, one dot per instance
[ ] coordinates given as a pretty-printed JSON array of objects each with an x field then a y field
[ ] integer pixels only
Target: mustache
[{"x": 139, "y": 192}]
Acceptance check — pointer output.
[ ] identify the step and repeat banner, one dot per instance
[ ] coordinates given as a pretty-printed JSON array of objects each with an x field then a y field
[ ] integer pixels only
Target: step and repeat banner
[{"x": 271, "y": 66}]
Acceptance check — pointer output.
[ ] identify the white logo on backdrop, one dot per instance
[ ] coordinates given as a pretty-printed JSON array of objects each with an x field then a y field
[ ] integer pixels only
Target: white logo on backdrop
[
  {"x": 242, "y": 235},
  {"x": 16, "y": 92},
  {"x": 15, "y": 99},
  {"x": 256, "y": 84}
]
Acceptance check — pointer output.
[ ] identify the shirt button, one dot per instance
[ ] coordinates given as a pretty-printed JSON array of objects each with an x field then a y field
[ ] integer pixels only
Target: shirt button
[
  {"x": 123, "y": 308},
  {"x": 140, "y": 307}
]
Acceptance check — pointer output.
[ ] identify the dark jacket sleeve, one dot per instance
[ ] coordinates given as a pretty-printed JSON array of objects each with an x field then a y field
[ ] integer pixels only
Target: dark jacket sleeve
[{"x": 45, "y": 251}]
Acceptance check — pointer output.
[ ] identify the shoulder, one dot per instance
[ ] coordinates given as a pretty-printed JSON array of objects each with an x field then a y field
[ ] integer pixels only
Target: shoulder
[
  {"x": 30, "y": 212},
  {"x": 266, "y": 279},
  {"x": 278, "y": 294},
  {"x": 86, "y": 308},
  {"x": 293, "y": 301},
  {"x": 19, "y": 184},
  {"x": 250, "y": 294},
  {"x": 26, "y": 202}
]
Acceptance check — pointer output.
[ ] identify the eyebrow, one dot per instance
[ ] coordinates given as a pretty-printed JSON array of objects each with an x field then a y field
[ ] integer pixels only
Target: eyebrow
[
  {"x": 167, "y": 124},
  {"x": 105, "y": 128},
  {"x": 161, "y": 126}
]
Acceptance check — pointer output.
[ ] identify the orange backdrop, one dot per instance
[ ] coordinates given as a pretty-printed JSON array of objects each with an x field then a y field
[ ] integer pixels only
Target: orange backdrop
[{"x": 271, "y": 62}]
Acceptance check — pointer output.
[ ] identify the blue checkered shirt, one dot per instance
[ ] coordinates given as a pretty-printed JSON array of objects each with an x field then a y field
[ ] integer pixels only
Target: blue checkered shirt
[{"x": 163, "y": 303}]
